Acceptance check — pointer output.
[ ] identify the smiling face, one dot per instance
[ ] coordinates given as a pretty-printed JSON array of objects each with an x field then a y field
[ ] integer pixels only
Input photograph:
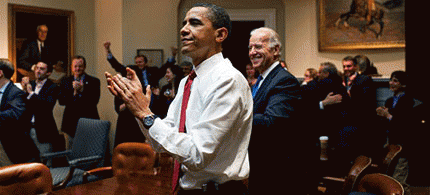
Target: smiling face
[
  {"x": 395, "y": 85},
  {"x": 78, "y": 67},
  {"x": 170, "y": 77},
  {"x": 261, "y": 54},
  {"x": 41, "y": 71},
  {"x": 140, "y": 62},
  {"x": 198, "y": 36},
  {"x": 349, "y": 68}
]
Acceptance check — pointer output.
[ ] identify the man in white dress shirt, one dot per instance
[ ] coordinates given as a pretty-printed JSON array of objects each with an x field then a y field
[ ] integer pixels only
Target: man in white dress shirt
[{"x": 213, "y": 150}]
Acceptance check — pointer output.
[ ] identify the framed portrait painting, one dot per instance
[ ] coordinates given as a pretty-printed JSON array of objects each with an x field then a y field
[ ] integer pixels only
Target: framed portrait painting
[
  {"x": 24, "y": 24},
  {"x": 361, "y": 25}
]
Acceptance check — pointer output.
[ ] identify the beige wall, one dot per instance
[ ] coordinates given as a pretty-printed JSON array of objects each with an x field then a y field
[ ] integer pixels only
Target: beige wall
[{"x": 149, "y": 24}]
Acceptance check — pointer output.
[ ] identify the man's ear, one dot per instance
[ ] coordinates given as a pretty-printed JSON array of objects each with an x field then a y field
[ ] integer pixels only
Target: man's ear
[
  {"x": 221, "y": 34},
  {"x": 277, "y": 50}
]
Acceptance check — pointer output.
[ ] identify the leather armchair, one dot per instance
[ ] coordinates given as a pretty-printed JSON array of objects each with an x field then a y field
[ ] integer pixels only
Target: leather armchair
[
  {"x": 377, "y": 183},
  {"x": 130, "y": 159},
  {"x": 27, "y": 178}
]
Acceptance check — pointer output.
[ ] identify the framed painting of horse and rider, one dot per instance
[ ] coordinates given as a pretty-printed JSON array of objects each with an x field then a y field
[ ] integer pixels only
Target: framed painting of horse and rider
[{"x": 361, "y": 25}]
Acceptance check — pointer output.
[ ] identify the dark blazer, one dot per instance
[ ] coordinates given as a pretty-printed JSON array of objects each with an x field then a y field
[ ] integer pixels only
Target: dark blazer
[
  {"x": 363, "y": 97},
  {"x": 275, "y": 134},
  {"x": 153, "y": 73},
  {"x": 16, "y": 141},
  {"x": 401, "y": 120},
  {"x": 41, "y": 106},
  {"x": 31, "y": 55},
  {"x": 83, "y": 105},
  {"x": 363, "y": 127}
]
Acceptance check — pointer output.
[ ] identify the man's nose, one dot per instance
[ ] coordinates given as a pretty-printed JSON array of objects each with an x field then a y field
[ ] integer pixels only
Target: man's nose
[{"x": 184, "y": 30}]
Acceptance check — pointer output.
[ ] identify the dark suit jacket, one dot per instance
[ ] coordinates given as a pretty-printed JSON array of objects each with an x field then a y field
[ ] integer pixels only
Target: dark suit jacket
[
  {"x": 80, "y": 106},
  {"x": 31, "y": 55},
  {"x": 153, "y": 73},
  {"x": 401, "y": 120},
  {"x": 16, "y": 141},
  {"x": 275, "y": 135},
  {"x": 363, "y": 97},
  {"x": 41, "y": 106}
]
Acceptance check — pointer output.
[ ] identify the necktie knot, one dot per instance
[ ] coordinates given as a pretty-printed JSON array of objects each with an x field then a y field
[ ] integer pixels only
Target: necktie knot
[{"x": 192, "y": 75}]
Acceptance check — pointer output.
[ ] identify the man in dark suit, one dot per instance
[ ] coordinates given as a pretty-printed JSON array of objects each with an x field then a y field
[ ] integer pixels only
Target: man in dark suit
[
  {"x": 363, "y": 104},
  {"x": 41, "y": 97},
  {"x": 360, "y": 87},
  {"x": 326, "y": 98},
  {"x": 16, "y": 142},
  {"x": 147, "y": 75},
  {"x": 276, "y": 100},
  {"x": 80, "y": 93},
  {"x": 34, "y": 52}
]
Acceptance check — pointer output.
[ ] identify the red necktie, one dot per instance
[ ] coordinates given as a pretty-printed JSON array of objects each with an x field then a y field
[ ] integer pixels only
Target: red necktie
[{"x": 185, "y": 98}]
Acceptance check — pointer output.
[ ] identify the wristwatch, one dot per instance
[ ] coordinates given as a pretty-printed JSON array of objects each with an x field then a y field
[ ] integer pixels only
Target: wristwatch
[{"x": 148, "y": 121}]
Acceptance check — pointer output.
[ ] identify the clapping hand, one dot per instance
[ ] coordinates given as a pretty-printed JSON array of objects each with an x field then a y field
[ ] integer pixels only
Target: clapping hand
[
  {"x": 383, "y": 111},
  {"x": 25, "y": 83},
  {"x": 78, "y": 85},
  {"x": 130, "y": 91}
]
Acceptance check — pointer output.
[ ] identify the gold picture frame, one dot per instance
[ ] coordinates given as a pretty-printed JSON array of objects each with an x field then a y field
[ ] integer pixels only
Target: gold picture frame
[{"x": 334, "y": 35}]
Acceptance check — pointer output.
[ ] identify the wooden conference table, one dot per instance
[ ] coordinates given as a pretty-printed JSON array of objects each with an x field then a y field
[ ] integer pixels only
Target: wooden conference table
[
  {"x": 157, "y": 184},
  {"x": 151, "y": 185}
]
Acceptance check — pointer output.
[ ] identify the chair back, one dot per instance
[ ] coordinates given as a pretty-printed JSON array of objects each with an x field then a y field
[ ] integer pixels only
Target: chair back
[
  {"x": 380, "y": 184},
  {"x": 27, "y": 178},
  {"x": 360, "y": 164},
  {"x": 91, "y": 139},
  {"x": 132, "y": 159},
  {"x": 393, "y": 150}
]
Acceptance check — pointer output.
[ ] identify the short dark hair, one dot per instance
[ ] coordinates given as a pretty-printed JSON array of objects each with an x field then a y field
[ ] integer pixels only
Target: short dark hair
[
  {"x": 145, "y": 59},
  {"x": 49, "y": 67},
  {"x": 363, "y": 62},
  {"x": 402, "y": 76},
  {"x": 217, "y": 15},
  {"x": 7, "y": 68},
  {"x": 80, "y": 57},
  {"x": 330, "y": 68},
  {"x": 350, "y": 58}
]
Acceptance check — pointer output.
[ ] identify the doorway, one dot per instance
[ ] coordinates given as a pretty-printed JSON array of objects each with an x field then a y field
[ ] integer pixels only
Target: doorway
[{"x": 235, "y": 47}]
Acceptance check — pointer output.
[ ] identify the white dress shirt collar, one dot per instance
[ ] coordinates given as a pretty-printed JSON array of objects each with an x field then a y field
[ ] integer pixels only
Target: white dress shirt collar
[
  {"x": 205, "y": 66},
  {"x": 267, "y": 72}
]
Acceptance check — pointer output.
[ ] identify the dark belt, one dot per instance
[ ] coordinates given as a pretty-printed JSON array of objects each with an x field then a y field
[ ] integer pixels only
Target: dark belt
[{"x": 232, "y": 187}]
